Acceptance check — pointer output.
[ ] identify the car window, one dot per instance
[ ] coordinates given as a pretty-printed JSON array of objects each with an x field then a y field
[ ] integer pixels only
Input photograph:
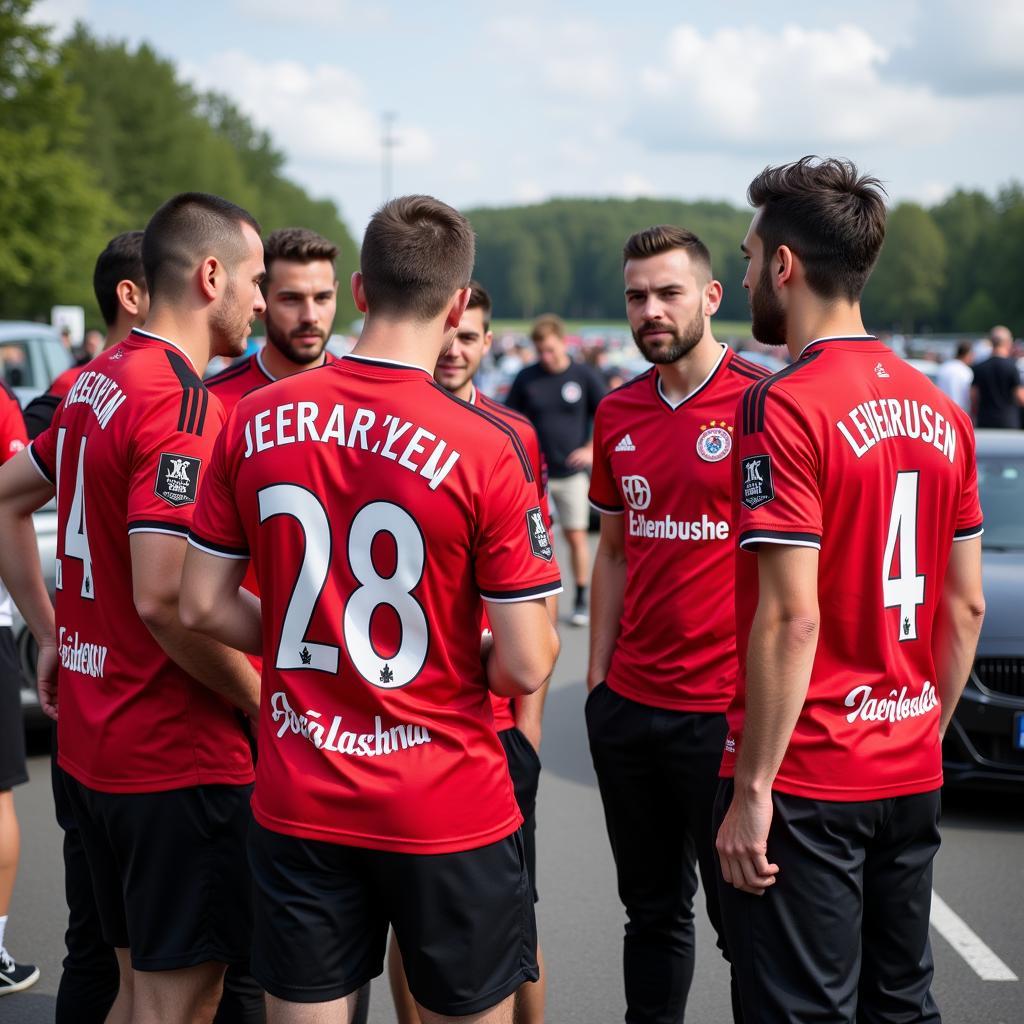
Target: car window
[
  {"x": 57, "y": 357},
  {"x": 1001, "y": 489},
  {"x": 18, "y": 371}
]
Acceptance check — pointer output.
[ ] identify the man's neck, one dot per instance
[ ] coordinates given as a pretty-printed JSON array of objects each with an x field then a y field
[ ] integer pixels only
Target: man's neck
[
  {"x": 561, "y": 368},
  {"x": 186, "y": 332},
  {"x": 680, "y": 379},
  {"x": 279, "y": 365},
  {"x": 118, "y": 331},
  {"x": 465, "y": 392},
  {"x": 817, "y": 320},
  {"x": 401, "y": 342}
]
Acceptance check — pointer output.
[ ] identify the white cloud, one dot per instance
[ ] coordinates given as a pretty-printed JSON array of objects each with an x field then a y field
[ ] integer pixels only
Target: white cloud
[
  {"x": 748, "y": 89},
  {"x": 61, "y": 14},
  {"x": 316, "y": 114}
]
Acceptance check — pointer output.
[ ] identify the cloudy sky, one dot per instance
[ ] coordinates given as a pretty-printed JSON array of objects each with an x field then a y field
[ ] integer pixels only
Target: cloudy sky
[{"x": 513, "y": 103}]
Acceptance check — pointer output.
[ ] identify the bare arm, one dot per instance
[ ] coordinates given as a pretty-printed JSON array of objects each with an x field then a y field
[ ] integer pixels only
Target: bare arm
[
  {"x": 783, "y": 640},
  {"x": 22, "y": 491},
  {"x": 157, "y": 564},
  {"x": 529, "y": 710},
  {"x": 525, "y": 647},
  {"x": 958, "y": 621},
  {"x": 608, "y": 592}
]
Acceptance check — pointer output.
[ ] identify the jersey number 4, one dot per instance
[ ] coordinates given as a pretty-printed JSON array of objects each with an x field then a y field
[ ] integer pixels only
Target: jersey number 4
[
  {"x": 76, "y": 534},
  {"x": 294, "y": 651},
  {"x": 902, "y": 587}
]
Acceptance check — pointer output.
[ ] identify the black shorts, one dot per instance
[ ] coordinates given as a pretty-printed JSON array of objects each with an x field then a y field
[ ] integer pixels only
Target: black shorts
[
  {"x": 12, "y": 725},
  {"x": 524, "y": 767},
  {"x": 464, "y": 921},
  {"x": 169, "y": 872}
]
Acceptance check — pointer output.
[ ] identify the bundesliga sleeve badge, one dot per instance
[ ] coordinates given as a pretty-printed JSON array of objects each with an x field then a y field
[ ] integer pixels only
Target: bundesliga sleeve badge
[
  {"x": 540, "y": 542},
  {"x": 757, "y": 485},
  {"x": 714, "y": 442},
  {"x": 177, "y": 477}
]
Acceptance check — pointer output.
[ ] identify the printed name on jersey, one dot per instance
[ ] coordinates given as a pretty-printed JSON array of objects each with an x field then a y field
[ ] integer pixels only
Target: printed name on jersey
[
  {"x": 84, "y": 658},
  {"x": 637, "y": 492},
  {"x": 99, "y": 392},
  {"x": 540, "y": 542},
  {"x": 896, "y": 706},
  {"x": 757, "y": 485},
  {"x": 177, "y": 478},
  {"x": 885, "y": 418},
  {"x": 571, "y": 392},
  {"x": 378, "y": 743},
  {"x": 714, "y": 442},
  {"x": 667, "y": 528},
  {"x": 626, "y": 444}
]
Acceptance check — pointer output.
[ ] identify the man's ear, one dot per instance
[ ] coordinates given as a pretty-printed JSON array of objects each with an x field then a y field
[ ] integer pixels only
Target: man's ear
[
  {"x": 358, "y": 292},
  {"x": 129, "y": 296},
  {"x": 784, "y": 265},
  {"x": 209, "y": 277},
  {"x": 488, "y": 340},
  {"x": 457, "y": 308},
  {"x": 713, "y": 298}
]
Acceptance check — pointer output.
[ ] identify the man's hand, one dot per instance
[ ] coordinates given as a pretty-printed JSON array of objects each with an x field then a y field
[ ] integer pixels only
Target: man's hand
[
  {"x": 580, "y": 458},
  {"x": 46, "y": 677},
  {"x": 742, "y": 843}
]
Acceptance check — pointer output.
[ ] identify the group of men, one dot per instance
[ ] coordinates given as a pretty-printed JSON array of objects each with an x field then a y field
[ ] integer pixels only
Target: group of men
[{"x": 786, "y": 595}]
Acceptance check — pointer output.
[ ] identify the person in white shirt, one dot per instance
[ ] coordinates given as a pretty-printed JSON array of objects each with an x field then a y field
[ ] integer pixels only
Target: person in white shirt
[{"x": 955, "y": 376}]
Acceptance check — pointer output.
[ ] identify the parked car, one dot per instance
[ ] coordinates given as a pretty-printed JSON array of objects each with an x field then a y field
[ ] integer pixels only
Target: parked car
[
  {"x": 31, "y": 356},
  {"x": 985, "y": 741}
]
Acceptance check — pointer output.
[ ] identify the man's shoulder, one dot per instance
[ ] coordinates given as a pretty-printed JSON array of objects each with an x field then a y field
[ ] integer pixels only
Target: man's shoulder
[{"x": 234, "y": 376}]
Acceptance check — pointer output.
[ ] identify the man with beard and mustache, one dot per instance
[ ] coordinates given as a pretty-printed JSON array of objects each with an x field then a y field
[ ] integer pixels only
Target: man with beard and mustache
[
  {"x": 662, "y": 642},
  {"x": 858, "y": 609},
  {"x": 156, "y": 760},
  {"x": 301, "y": 291}
]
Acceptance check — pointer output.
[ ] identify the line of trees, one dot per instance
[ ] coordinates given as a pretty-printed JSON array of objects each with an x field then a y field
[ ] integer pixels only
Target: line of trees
[{"x": 94, "y": 136}]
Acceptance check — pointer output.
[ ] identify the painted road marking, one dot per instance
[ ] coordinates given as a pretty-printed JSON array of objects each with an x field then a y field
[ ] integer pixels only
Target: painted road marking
[{"x": 959, "y": 935}]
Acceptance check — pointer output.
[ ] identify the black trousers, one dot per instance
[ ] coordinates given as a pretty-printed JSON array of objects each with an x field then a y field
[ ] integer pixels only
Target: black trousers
[
  {"x": 658, "y": 775},
  {"x": 842, "y": 935}
]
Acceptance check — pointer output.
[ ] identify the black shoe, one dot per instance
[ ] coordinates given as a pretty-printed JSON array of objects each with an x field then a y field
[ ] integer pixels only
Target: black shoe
[
  {"x": 14, "y": 977},
  {"x": 580, "y": 616}
]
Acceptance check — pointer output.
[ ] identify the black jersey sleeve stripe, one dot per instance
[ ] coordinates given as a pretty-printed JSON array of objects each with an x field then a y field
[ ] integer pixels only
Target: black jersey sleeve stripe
[
  {"x": 205, "y": 402},
  {"x": 738, "y": 362},
  {"x": 40, "y": 465},
  {"x": 229, "y": 374},
  {"x": 495, "y": 421},
  {"x": 502, "y": 410},
  {"x": 969, "y": 531},
  {"x": 756, "y": 397},
  {"x": 544, "y": 590},
  {"x": 156, "y": 526},
  {"x": 199, "y": 541},
  {"x": 611, "y": 509},
  {"x": 795, "y": 538}
]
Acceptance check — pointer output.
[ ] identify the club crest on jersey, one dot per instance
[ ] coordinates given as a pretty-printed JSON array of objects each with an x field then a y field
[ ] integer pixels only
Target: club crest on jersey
[
  {"x": 571, "y": 392},
  {"x": 714, "y": 442},
  {"x": 540, "y": 542},
  {"x": 758, "y": 488},
  {"x": 637, "y": 492},
  {"x": 177, "y": 477}
]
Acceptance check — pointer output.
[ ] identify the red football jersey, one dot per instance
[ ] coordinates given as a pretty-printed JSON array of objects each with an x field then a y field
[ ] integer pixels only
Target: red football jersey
[
  {"x": 377, "y": 510},
  {"x": 851, "y": 451},
  {"x": 13, "y": 437},
  {"x": 503, "y": 708},
  {"x": 127, "y": 449},
  {"x": 667, "y": 469},
  {"x": 62, "y": 382},
  {"x": 242, "y": 377}
]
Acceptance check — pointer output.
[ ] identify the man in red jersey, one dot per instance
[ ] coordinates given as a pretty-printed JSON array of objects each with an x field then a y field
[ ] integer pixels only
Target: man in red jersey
[
  {"x": 517, "y": 721},
  {"x": 377, "y": 510},
  {"x": 859, "y": 605},
  {"x": 119, "y": 283},
  {"x": 158, "y": 764},
  {"x": 301, "y": 291},
  {"x": 662, "y": 638}
]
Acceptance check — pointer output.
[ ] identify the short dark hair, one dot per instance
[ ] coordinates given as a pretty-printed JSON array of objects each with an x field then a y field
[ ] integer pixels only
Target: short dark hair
[
  {"x": 545, "y": 324},
  {"x": 661, "y": 238},
  {"x": 417, "y": 252},
  {"x": 832, "y": 217},
  {"x": 121, "y": 260},
  {"x": 963, "y": 348},
  {"x": 188, "y": 228},
  {"x": 296, "y": 245},
  {"x": 479, "y": 299}
]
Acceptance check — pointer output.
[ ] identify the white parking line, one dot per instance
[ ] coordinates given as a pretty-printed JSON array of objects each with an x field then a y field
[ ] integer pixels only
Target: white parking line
[{"x": 958, "y": 934}]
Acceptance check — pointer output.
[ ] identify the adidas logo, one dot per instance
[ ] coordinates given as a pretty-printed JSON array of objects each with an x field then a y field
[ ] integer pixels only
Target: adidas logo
[
  {"x": 880, "y": 371},
  {"x": 626, "y": 444}
]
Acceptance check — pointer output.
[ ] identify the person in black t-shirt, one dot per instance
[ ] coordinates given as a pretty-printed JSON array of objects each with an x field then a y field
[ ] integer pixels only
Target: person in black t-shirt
[
  {"x": 559, "y": 397},
  {"x": 997, "y": 394}
]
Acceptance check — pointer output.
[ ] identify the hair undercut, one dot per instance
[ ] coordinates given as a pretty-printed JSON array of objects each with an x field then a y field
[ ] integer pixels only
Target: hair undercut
[
  {"x": 545, "y": 325},
  {"x": 479, "y": 299},
  {"x": 417, "y": 252},
  {"x": 120, "y": 261},
  {"x": 188, "y": 228},
  {"x": 832, "y": 217},
  {"x": 661, "y": 238},
  {"x": 296, "y": 245}
]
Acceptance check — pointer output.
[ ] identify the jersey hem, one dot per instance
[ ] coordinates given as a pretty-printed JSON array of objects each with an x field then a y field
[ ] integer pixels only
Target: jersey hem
[
  {"x": 41, "y": 468},
  {"x": 689, "y": 704},
  {"x": 792, "y": 538},
  {"x": 212, "y": 548},
  {"x": 422, "y": 846},
  {"x": 969, "y": 532},
  {"x": 186, "y": 780},
  {"x": 608, "y": 510},
  {"x": 157, "y": 526},
  {"x": 809, "y": 791}
]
